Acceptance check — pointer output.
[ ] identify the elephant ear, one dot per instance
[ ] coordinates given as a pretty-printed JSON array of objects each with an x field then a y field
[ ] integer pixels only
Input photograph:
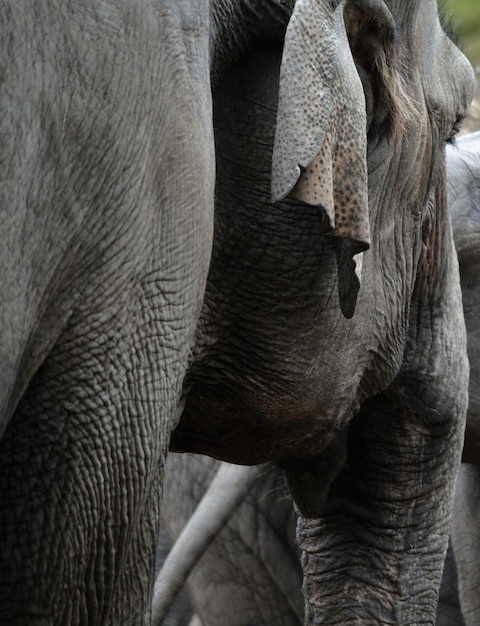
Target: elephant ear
[{"x": 320, "y": 145}]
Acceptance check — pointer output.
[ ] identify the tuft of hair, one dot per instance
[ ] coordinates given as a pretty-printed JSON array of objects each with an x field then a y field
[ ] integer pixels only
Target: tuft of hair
[
  {"x": 379, "y": 50},
  {"x": 392, "y": 68}
]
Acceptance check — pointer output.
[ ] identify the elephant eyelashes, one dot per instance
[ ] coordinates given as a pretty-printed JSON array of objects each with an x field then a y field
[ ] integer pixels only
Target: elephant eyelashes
[{"x": 456, "y": 127}]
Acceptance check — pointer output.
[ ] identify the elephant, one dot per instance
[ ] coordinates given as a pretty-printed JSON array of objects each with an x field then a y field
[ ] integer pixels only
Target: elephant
[
  {"x": 255, "y": 558},
  {"x": 466, "y": 543},
  {"x": 225, "y": 230},
  {"x": 107, "y": 193},
  {"x": 343, "y": 365},
  {"x": 463, "y": 186},
  {"x": 464, "y": 195},
  {"x": 251, "y": 572}
]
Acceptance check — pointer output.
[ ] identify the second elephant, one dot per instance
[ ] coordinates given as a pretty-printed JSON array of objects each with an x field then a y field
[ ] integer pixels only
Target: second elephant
[{"x": 464, "y": 195}]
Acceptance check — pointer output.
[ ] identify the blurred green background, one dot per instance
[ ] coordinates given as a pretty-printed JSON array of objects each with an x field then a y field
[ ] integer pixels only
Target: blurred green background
[{"x": 466, "y": 17}]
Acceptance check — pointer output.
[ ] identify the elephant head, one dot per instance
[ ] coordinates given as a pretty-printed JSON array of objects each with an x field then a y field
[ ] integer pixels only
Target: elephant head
[
  {"x": 356, "y": 401},
  {"x": 358, "y": 97}
]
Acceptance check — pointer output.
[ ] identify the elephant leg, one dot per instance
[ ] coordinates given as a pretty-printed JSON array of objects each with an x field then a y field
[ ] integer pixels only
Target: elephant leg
[
  {"x": 80, "y": 475},
  {"x": 466, "y": 541},
  {"x": 375, "y": 556},
  {"x": 81, "y": 461}
]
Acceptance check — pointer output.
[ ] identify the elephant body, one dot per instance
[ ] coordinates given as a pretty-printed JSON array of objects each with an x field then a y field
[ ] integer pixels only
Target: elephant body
[
  {"x": 463, "y": 185},
  {"x": 464, "y": 197},
  {"x": 357, "y": 406},
  {"x": 122, "y": 125},
  {"x": 106, "y": 226},
  {"x": 255, "y": 558}
]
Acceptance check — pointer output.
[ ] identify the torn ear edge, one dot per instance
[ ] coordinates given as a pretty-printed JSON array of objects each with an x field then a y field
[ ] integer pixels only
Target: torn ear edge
[{"x": 376, "y": 47}]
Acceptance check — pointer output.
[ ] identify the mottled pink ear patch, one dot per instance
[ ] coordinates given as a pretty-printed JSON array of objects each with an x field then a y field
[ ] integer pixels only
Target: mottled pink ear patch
[
  {"x": 336, "y": 191},
  {"x": 320, "y": 145},
  {"x": 315, "y": 185},
  {"x": 336, "y": 180}
]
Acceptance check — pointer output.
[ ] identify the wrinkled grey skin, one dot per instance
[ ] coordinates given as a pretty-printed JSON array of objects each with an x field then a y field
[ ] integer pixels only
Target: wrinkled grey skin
[
  {"x": 254, "y": 559},
  {"x": 107, "y": 184},
  {"x": 466, "y": 541},
  {"x": 251, "y": 573},
  {"x": 464, "y": 196},
  {"x": 449, "y": 612},
  {"x": 107, "y": 196},
  {"x": 278, "y": 373},
  {"x": 463, "y": 184}
]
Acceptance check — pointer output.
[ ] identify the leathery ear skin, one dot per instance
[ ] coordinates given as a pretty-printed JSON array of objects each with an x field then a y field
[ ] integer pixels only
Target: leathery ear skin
[{"x": 320, "y": 150}]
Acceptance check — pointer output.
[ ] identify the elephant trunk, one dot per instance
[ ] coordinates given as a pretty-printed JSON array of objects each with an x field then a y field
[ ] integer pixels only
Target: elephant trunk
[{"x": 227, "y": 490}]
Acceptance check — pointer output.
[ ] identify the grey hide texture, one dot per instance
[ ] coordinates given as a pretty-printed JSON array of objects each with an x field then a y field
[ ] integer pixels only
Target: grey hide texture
[
  {"x": 152, "y": 296},
  {"x": 230, "y": 569},
  {"x": 464, "y": 197}
]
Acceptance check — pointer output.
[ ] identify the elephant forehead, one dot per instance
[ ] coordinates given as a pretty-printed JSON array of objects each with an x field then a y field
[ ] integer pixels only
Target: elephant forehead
[{"x": 447, "y": 79}]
